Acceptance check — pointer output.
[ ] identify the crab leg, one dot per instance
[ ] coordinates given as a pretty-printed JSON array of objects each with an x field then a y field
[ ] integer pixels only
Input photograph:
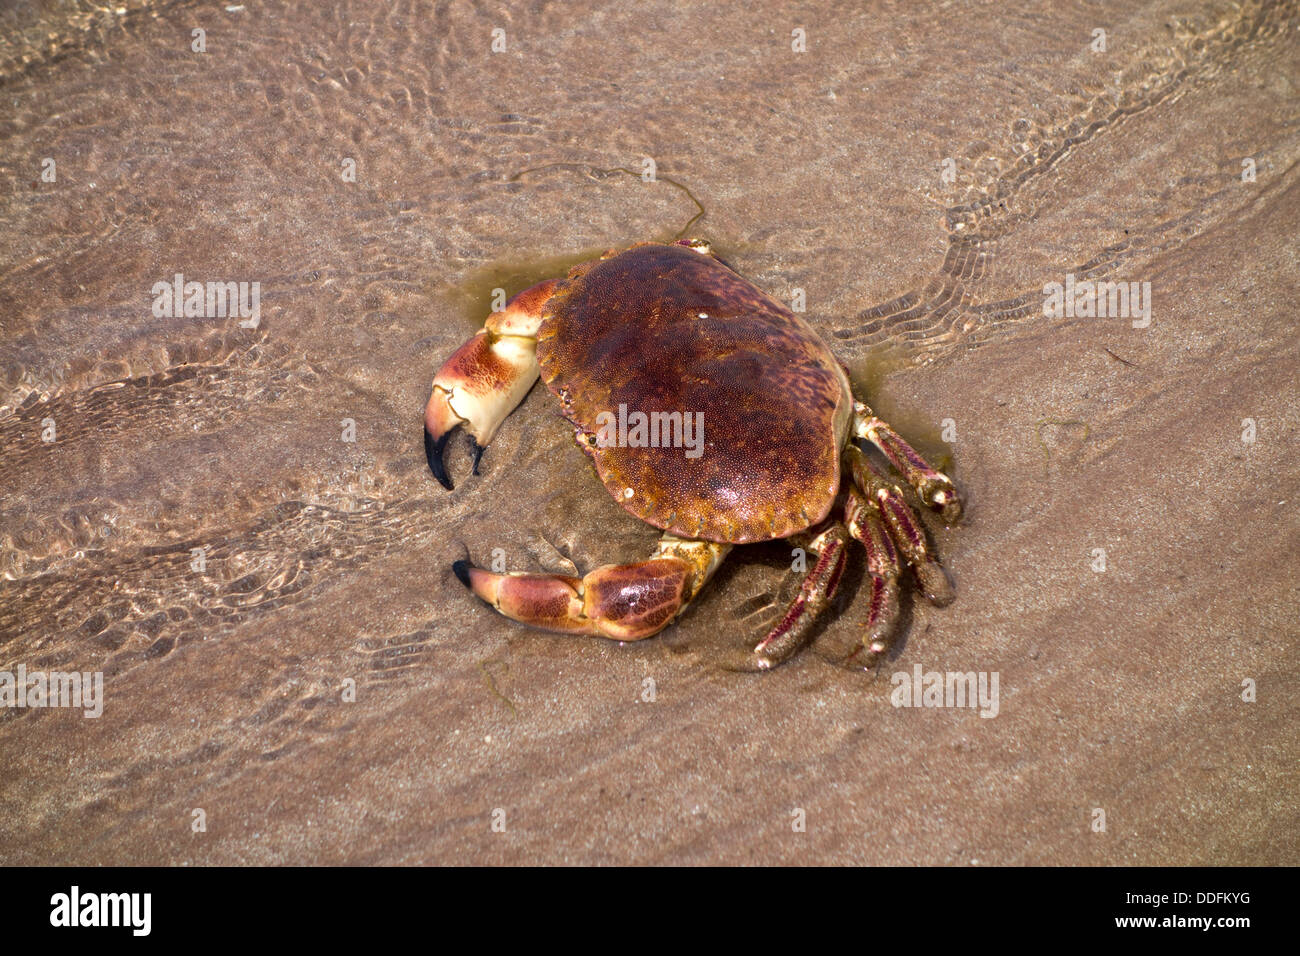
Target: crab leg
[
  {"x": 485, "y": 378},
  {"x": 815, "y": 593},
  {"x": 626, "y": 602},
  {"x": 933, "y": 487},
  {"x": 866, "y": 524},
  {"x": 903, "y": 526}
]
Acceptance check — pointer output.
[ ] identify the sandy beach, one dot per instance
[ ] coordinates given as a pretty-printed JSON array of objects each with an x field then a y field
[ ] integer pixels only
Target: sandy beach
[{"x": 230, "y": 518}]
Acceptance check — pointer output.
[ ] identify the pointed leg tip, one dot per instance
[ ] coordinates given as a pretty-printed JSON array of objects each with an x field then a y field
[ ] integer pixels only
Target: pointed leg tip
[
  {"x": 948, "y": 503},
  {"x": 936, "y": 587},
  {"x": 861, "y": 659},
  {"x": 872, "y": 652},
  {"x": 433, "y": 448}
]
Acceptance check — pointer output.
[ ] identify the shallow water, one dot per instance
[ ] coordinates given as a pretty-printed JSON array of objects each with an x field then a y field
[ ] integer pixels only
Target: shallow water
[{"x": 325, "y": 561}]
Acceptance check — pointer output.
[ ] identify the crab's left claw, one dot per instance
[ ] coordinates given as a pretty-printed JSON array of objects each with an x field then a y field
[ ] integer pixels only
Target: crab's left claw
[
  {"x": 485, "y": 379},
  {"x": 625, "y": 602}
]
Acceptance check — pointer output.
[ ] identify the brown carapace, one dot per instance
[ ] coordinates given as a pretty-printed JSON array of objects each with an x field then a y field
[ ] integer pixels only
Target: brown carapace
[{"x": 711, "y": 412}]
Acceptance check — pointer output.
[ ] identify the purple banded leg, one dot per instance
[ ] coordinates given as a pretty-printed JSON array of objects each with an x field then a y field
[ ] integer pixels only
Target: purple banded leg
[
  {"x": 484, "y": 379},
  {"x": 625, "y": 602},
  {"x": 791, "y": 632},
  {"x": 932, "y": 487},
  {"x": 866, "y": 524},
  {"x": 903, "y": 526}
]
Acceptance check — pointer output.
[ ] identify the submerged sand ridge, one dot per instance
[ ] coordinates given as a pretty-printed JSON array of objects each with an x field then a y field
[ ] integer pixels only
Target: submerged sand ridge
[{"x": 235, "y": 525}]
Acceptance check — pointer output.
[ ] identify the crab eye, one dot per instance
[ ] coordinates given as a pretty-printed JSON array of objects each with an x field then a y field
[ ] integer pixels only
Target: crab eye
[{"x": 701, "y": 246}]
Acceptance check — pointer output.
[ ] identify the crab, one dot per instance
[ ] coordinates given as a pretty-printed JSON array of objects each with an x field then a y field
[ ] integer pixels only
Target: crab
[{"x": 670, "y": 329}]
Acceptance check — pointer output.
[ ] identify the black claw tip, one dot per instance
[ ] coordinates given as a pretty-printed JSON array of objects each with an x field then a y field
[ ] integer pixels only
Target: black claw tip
[
  {"x": 478, "y": 453},
  {"x": 461, "y": 570},
  {"x": 433, "y": 451}
]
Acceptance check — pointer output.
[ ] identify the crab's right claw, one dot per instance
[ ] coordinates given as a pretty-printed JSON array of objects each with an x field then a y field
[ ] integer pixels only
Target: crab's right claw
[
  {"x": 440, "y": 420},
  {"x": 477, "y": 387},
  {"x": 485, "y": 378}
]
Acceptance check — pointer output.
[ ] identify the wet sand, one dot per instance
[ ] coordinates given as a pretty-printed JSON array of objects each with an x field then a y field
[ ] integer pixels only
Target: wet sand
[{"x": 326, "y": 562}]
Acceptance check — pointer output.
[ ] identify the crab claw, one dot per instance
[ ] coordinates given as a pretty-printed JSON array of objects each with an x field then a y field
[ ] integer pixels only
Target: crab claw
[
  {"x": 485, "y": 379},
  {"x": 549, "y": 601},
  {"x": 476, "y": 388},
  {"x": 440, "y": 420},
  {"x": 626, "y": 602}
]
